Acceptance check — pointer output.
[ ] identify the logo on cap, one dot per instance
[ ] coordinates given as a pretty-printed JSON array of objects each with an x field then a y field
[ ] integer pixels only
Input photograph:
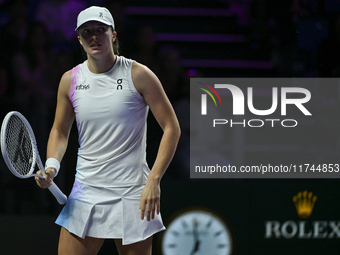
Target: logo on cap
[{"x": 101, "y": 15}]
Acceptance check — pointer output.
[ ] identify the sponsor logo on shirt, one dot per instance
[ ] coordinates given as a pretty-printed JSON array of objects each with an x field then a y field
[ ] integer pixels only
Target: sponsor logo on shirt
[
  {"x": 119, "y": 82},
  {"x": 83, "y": 87}
]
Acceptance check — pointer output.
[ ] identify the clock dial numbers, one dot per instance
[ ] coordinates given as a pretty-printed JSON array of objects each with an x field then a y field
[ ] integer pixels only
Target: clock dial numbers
[
  {"x": 218, "y": 233},
  {"x": 172, "y": 245},
  {"x": 184, "y": 224},
  {"x": 209, "y": 223},
  {"x": 175, "y": 233}
]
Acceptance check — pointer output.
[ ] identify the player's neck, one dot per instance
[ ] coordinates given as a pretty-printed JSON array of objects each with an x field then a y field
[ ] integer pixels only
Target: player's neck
[{"x": 101, "y": 65}]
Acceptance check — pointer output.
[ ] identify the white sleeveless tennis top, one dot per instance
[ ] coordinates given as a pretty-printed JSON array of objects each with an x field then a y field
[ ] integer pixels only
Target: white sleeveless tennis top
[{"x": 111, "y": 121}]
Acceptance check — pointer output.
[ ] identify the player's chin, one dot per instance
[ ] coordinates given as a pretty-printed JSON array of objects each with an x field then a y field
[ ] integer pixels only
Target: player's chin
[{"x": 96, "y": 50}]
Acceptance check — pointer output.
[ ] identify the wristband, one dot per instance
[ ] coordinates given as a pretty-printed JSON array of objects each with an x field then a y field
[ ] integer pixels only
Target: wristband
[{"x": 54, "y": 163}]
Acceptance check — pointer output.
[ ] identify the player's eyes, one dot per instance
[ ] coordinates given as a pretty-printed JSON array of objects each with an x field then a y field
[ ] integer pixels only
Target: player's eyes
[
  {"x": 102, "y": 29},
  {"x": 85, "y": 31},
  {"x": 88, "y": 31}
]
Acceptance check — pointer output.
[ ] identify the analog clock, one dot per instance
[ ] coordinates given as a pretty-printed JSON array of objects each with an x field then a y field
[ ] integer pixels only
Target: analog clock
[{"x": 197, "y": 232}]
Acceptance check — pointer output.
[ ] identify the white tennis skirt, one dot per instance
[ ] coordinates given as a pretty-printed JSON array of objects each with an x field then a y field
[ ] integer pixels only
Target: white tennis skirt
[{"x": 107, "y": 213}]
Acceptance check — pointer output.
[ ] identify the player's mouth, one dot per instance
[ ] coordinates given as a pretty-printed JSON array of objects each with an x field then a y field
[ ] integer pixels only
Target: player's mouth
[{"x": 95, "y": 45}]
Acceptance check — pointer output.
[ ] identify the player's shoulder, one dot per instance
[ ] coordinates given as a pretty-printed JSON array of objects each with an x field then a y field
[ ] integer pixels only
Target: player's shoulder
[
  {"x": 137, "y": 68},
  {"x": 141, "y": 72},
  {"x": 143, "y": 78},
  {"x": 65, "y": 81},
  {"x": 67, "y": 76}
]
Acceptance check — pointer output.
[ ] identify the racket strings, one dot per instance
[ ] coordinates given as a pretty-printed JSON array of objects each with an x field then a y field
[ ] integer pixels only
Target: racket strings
[{"x": 19, "y": 146}]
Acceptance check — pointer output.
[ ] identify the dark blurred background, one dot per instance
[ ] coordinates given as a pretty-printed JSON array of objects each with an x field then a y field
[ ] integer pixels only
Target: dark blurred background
[{"x": 177, "y": 39}]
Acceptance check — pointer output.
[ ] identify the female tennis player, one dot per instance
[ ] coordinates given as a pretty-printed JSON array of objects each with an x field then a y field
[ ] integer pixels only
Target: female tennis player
[{"x": 115, "y": 195}]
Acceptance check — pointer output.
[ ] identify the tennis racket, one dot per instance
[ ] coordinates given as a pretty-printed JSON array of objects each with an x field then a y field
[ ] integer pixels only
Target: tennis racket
[{"x": 20, "y": 151}]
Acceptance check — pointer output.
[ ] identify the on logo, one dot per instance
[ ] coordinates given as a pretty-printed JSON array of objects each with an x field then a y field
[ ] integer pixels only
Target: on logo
[{"x": 119, "y": 82}]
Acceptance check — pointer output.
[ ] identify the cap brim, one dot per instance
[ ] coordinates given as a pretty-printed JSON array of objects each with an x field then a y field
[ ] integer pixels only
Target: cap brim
[{"x": 92, "y": 19}]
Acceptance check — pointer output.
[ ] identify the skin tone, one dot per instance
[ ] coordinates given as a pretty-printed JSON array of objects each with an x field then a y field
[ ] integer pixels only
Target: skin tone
[{"x": 96, "y": 39}]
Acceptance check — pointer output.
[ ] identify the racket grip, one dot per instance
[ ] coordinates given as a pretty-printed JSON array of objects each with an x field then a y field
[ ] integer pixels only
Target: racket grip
[{"x": 60, "y": 196}]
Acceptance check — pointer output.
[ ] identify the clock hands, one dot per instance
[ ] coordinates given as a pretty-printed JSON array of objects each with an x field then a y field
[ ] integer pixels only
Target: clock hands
[{"x": 196, "y": 240}]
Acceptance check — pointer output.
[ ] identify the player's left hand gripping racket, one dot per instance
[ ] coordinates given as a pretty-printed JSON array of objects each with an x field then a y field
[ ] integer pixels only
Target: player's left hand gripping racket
[{"x": 20, "y": 151}]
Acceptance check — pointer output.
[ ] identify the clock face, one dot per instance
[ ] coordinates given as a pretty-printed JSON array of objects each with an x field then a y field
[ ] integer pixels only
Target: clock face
[{"x": 197, "y": 232}]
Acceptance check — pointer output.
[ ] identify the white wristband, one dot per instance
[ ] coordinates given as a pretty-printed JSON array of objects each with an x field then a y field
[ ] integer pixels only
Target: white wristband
[{"x": 54, "y": 163}]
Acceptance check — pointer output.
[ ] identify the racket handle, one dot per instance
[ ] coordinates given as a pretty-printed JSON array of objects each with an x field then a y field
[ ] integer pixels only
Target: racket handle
[{"x": 60, "y": 196}]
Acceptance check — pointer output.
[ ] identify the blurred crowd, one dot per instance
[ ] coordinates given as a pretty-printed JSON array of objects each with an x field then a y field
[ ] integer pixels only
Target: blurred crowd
[
  {"x": 303, "y": 36},
  {"x": 38, "y": 44}
]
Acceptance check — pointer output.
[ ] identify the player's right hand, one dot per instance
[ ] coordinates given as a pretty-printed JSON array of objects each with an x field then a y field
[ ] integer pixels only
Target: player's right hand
[{"x": 44, "y": 183}]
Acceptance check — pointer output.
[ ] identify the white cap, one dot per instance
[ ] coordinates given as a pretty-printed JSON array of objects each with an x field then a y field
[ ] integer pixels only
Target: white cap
[{"x": 95, "y": 13}]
